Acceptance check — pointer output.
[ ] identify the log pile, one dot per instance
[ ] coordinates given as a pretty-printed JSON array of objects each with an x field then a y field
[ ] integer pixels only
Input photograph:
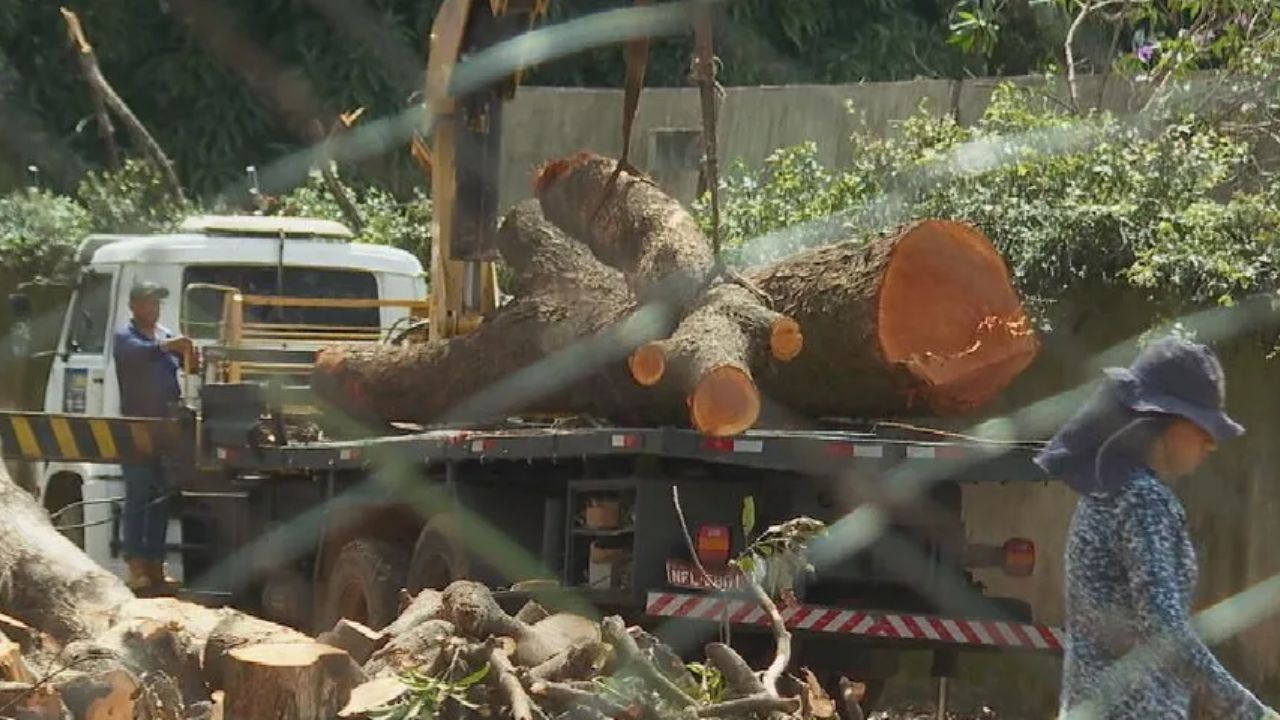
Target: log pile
[
  {"x": 622, "y": 312},
  {"x": 91, "y": 651}
]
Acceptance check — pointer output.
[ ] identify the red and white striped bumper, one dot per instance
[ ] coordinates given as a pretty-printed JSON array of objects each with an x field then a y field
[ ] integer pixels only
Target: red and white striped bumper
[{"x": 835, "y": 621}]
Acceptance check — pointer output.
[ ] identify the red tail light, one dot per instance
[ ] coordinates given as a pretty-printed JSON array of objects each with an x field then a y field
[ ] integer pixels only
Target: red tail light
[
  {"x": 1019, "y": 557},
  {"x": 713, "y": 544}
]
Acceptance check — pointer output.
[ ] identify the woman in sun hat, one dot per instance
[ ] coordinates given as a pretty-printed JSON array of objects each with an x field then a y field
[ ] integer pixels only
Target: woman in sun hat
[{"x": 1131, "y": 568}]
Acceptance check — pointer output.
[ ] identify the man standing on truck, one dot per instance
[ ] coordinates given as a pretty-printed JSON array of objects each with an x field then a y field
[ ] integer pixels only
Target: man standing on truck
[{"x": 148, "y": 357}]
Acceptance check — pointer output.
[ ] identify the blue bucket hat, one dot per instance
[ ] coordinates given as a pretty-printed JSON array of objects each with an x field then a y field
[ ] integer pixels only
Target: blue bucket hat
[
  {"x": 1173, "y": 376},
  {"x": 1099, "y": 448}
]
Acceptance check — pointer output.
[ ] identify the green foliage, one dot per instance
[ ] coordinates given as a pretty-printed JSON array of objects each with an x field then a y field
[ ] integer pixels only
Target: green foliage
[
  {"x": 710, "y": 680},
  {"x": 40, "y": 231},
  {"x": 428, "y": 696},
  {"x": 39, "y": 234},
  {"x": 1164, "y": 204},
  {"x": 237, "y": 84},
  {"x": 133, "y": 199},
  {"x": 776, "y": 559},
  {"x": 387, "y": 221}
]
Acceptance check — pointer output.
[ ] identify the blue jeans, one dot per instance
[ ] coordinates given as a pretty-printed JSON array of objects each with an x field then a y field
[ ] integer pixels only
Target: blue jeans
[{"x": 146, "y": 511}]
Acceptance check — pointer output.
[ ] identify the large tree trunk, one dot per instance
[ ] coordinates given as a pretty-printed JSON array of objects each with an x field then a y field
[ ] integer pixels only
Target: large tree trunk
[
  {"x": 922, "y": 321},
  {"x": 631, "y": 225},
  {"x": 475, "y": 377},
  {"x": 45, "y": 580}
]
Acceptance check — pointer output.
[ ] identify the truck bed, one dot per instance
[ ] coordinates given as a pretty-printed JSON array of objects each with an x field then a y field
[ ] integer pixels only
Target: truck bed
[{"x": 806, "y": 451}]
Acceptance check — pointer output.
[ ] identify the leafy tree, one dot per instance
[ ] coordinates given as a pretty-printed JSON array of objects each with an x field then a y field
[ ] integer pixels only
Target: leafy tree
[
  {"x": 1066, "y": 199},
  {"x": 231, "y": 83},
  {"x": 39, "y": 234}
]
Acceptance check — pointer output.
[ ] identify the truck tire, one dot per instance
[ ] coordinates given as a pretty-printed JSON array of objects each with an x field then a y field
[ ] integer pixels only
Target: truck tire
[
  {"x": 364, "y": 584},
  {"x": 438, "y": 557}
]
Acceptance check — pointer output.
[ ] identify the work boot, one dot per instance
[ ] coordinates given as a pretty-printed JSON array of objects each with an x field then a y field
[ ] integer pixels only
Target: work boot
[
  {"x": 161, "y": 583},
  {"x": 140, "y": 580}
]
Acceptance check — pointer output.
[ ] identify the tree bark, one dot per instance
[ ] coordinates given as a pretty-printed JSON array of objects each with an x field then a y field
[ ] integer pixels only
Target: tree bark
[
  {"x": 417, "y": 647},
  {"x": 477, "y": 377},
  {"x": 45, "y": 580},
  {"x": 924, "y": 320},
  {"x": 240, "y": 630},
  {"x": 29, "y": 701},
  {"x": 358, "y": 640},
  {"x": 632, "y": 226},
  {"x": 712, "y": 358},
  {"x": 288, "y": 681}
]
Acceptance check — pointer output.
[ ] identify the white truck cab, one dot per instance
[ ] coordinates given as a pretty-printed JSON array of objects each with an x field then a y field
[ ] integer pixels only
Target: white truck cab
[{"x": 291, "y": 257}]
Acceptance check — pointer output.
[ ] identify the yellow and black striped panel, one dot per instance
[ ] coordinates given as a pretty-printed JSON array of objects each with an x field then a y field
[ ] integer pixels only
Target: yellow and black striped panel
[{"x": 45, "y": 436}]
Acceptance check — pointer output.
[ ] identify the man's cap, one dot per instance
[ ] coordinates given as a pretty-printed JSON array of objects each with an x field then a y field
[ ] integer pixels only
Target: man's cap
[{"x": 148, "y": 290}]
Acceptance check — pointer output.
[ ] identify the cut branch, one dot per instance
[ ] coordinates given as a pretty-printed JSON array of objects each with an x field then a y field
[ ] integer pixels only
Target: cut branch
[
  {"x": 100, "y": 87},
  {"x": 750, "y": 706},
  {"x": 615, "y": 632},
  {"x": 712, "y": 358}
]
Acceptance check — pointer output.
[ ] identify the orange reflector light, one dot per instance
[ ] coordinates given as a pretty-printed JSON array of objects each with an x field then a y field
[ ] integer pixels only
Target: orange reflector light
[
  {"x": 1019, "y": 557},
  {"x": 713, "y": 545}
]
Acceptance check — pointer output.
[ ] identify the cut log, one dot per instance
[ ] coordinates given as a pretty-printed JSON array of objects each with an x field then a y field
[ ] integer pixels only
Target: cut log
[
  {"x": 636, "y": 227},
  {"x": 476, "y": 377},
  {"x": 167, "y": 634},
  {"x": 475, "y": 614},
  {"x": 46, "y": 581},
  {"x": 358, "y": 640},
  {"x": 714, "y": 354},
  {"x": 923, "y": 320},
  {"x": 287, "y": 681},
  {"x": 416, "y": 648},
  {"x": 239, "y": 630},
  {"x": 373, "y": 695},
  {"x": 98, "y": 686},
  {"x": 27, "y": 701}
]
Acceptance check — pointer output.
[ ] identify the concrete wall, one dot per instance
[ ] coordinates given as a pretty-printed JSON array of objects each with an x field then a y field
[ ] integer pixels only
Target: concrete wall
[{"x": 543, "y": 123}]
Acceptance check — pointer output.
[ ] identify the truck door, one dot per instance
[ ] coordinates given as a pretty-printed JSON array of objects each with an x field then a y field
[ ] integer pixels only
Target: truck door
[{"x": 80, "y": 370}]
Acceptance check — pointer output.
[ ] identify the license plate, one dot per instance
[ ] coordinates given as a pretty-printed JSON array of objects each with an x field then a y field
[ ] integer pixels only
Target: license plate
[{"x": 686, "y": 575}]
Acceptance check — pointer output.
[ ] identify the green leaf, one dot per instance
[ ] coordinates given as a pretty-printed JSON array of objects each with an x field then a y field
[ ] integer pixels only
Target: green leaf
[
  {"x": 474, "y": 677},
  {"x": 748, "y": 516}
]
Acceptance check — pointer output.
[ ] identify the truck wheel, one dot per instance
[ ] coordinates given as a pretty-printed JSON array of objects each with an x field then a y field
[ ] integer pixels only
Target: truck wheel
[
  {"x": 364, "y": 584},
  {"x": 438, "y": 559}
]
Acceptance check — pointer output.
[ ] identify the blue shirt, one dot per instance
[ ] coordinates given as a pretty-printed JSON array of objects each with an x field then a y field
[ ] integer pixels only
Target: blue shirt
[
  {"x": 1131, "y": 572},
  {"x": 148, "y": 376}
]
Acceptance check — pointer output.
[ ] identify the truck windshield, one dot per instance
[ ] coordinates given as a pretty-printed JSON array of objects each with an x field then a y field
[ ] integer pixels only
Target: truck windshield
[
  {"x": 90, "y": 315},
  {"x": 204, "y": 310}
]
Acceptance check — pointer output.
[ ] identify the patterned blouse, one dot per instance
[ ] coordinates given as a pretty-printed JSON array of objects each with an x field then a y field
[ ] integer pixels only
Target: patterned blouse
[{"x": 1131, "y": 570}]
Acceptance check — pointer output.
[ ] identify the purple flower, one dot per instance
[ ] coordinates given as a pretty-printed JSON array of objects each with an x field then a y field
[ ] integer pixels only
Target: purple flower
[{"x": 1146, "y": 52}]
